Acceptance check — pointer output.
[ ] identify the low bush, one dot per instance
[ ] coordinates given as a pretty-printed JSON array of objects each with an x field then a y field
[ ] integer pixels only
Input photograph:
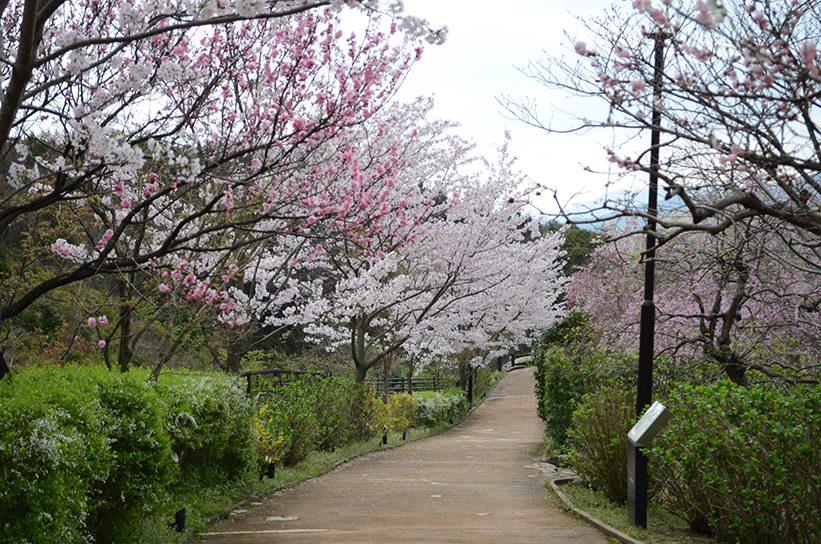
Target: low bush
[
  {"x": 87, "y": 454},
  {"x": 207, "y": 420},
  {"x": 434, "y": 408},
  {"x": 397, "y": 414},
  {"x": 312, "y": 413},
  {"x": 562, "y": 385},
  {"x": 83, "y": 454},
  {"x": 569, "y": 364},
  {"x": 598, "y": 439},
  {"x": 343, "y": 412},
  {"x": 744, "y": 463},
  {"x": 486, "y": 380}
]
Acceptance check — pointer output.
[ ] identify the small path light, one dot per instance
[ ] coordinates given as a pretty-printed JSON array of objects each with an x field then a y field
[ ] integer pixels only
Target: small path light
[
  {"x": 179, "y": 520},
  {"x": 270, "y": 471}
]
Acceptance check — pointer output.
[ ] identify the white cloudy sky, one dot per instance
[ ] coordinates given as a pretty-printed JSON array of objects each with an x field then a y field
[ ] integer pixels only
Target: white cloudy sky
[{"x": 487, "y": 42}]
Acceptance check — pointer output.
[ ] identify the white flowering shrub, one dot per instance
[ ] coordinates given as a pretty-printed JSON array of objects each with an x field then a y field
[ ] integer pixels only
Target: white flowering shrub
[
  {"x": 51, "y": 456},
  {"x": 83, "y": 454},
  {"x": 434, "y": 408},
  {"x": 86, "y": 454},
  {"x": 208, "y": 419}
]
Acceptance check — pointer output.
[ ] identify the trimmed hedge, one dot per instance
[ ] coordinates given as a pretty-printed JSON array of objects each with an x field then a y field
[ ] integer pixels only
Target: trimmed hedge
[
  {"x": 744, "y": 464},
  {"x": 86, "y": 453}
]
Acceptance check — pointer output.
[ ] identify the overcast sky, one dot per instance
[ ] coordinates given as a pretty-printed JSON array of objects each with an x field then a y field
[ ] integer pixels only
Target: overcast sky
[{"x": 487, "y": 43}]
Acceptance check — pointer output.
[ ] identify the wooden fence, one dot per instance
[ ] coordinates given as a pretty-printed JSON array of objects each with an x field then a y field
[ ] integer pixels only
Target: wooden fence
[
  {"x": 400, "y": 384},
  {"x": 264, "y": 381}
]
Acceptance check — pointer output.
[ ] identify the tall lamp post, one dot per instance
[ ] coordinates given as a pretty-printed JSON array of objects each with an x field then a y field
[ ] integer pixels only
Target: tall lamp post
[{"x": 637, "y": 461}]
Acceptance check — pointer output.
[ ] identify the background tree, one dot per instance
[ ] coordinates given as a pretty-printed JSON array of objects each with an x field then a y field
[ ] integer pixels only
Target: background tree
[
  {"x": 739, "y": 142},
  {"x": 733, "y": 299}
]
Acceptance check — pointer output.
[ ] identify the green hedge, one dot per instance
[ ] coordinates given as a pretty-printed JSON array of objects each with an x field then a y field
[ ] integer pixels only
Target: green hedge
[
  {"x": 744, "y": 464},
  {"x": 86, "y": 454}
]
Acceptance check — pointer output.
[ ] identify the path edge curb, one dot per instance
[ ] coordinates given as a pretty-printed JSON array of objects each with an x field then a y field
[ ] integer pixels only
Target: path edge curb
[{"x": 599, "y": 524}]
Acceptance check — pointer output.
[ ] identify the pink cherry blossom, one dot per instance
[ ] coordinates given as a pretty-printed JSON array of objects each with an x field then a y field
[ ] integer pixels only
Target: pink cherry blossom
[{"x": 581, "y": 48}]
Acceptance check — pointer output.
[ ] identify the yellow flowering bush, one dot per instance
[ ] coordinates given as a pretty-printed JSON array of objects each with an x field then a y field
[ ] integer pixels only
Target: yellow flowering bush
[
  {"x": 397, "y": 414},
  {"x": 269, "y": 449}
]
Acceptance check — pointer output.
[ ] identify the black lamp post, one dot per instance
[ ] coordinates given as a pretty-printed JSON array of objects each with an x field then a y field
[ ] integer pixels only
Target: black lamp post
[{"x": 637, "y": 461}]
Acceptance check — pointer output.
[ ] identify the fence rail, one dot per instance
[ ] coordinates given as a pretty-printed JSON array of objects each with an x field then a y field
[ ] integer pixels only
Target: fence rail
[
  {"x": 264, "y": 381},
  {"x": 400, "y": 385}
]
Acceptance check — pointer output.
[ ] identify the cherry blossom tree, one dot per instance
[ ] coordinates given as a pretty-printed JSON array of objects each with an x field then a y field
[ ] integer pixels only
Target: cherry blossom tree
[
  {"x": 465, "y": 277},
  {"x": 738, "y": 94},
  {"x": 734, "y": 299},
  {"x": 398, "y": 145},
  {"x": 167, "y": 140}
]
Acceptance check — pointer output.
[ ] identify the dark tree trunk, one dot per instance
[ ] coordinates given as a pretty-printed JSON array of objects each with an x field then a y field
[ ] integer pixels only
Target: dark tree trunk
[
  {"x": 4, "y": 368},
  {"x": 126, "y": 352}
]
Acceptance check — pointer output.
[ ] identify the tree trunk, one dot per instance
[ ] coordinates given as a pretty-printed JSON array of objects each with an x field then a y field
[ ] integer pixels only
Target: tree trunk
[
  {"x": 360, "y": 372},
  {"x": 410, "y": 376},
  {"x": 236, "y": 351},
  {"x": 737, "y": 373},
  {"x": 126, "y": 352},
  {"x": 4, "y": 368}
]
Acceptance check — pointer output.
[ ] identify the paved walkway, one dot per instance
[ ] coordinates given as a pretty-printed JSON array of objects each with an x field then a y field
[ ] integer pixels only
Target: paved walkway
[{"x": 477, "y": 483}]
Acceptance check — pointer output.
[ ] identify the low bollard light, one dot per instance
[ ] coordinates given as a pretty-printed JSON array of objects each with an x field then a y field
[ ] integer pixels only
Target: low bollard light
[{"x": 179, "y": 520}]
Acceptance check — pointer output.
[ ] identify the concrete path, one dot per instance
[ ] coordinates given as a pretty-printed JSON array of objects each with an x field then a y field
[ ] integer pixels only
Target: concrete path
[{"x": 477, "y": 483}]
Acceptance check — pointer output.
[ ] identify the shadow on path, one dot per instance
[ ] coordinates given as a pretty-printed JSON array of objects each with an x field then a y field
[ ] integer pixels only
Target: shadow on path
[{"x": 476, "y": 483}]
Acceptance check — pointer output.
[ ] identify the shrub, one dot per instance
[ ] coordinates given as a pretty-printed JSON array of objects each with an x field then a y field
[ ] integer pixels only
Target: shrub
[
  {"x": 598, "y": 439},
  {"x": 435, "y": 408},
  {"x": 83, "y": 453},
  {"x": 486, "y": 379},
  {"x": 562, "y": 386},
  {"x": 343, "y": 412},
  {"x": 51, "y": 454},
  {"x": 744, "y": 463},
  {"x": 316, "y": 413},
  {"x": 208, "y": 420},
  {"x": 397, "y": 414},
  {"x": 569, "y": 363},
  {"x": 140, "y": 448}
]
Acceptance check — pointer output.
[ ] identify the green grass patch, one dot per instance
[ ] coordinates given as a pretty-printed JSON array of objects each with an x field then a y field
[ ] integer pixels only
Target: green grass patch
[{"x": 662, "y": 526}]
